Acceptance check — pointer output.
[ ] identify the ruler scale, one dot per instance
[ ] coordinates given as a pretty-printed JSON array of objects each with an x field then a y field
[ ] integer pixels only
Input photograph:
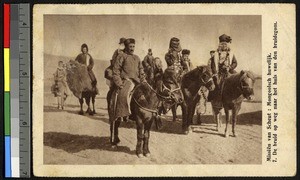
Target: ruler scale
[{"x": 24, "y": 90}]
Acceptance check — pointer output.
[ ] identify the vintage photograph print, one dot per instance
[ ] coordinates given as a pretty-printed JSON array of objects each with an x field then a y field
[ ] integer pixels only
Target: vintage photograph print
[
  {"x": 135, "y": 90},
  {"x": 175, "y": 63}
]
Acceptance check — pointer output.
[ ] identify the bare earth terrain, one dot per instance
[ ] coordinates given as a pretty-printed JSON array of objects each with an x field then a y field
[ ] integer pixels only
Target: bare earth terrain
[{"x": 70, "y": 138}]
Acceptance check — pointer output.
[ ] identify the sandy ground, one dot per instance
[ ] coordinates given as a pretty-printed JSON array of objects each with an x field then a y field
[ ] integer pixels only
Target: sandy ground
[{"x": 70, "y": 138}]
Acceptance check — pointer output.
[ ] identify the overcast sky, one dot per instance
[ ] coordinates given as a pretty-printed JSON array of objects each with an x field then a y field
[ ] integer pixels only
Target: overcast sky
[{"x": 64, "y": 35}]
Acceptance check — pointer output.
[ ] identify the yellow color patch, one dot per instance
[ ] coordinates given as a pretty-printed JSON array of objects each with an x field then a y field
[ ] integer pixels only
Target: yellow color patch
[{"x": 6, "y": 70}]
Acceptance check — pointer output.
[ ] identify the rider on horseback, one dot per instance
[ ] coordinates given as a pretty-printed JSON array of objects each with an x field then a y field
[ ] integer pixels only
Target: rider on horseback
[
  {"x": 149, "y": 65},
  {"x": 222, "y": 64},
  {"x": 128, "y": 71},
  {"x": 185, "y": 61},
  {"x": 173, "y": 59},
  {"x": 85, "y": 58}
]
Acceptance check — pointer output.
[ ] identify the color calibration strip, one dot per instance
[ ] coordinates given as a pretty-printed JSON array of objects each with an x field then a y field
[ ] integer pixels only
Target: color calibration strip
[
  {"x": 17, "y": 90},
  {"x": 8, "y": 172}
]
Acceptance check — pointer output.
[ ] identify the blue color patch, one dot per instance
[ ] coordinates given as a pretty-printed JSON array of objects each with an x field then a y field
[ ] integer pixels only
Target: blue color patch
[{"x": 7, "y": 156}]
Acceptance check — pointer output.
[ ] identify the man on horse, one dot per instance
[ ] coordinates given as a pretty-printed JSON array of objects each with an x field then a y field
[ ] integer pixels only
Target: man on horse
[
  {"x": 185, "y": 61},
  {"x": 128, "y": 71},
  {"x": 149, "y": 65},
  {"x": 173, "y": 59},
  {"x": 85, "y": 58},
  {"x": 222, "y": 64},
  {"x": 109, "y": 70}
]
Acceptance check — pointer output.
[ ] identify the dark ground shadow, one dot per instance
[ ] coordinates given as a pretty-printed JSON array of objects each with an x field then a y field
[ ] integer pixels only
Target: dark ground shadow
[
  {"x": 170, "y": 126},
  {"x": 251, "y": 118},
  {"x": 75, "y": 143}
]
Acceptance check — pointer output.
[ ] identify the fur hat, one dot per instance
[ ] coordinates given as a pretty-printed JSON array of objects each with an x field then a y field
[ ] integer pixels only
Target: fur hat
[
  {"x": 186, "y": 51},
  {"x": 225, "y": 38},
  {"x": 84, "y": 46},
  {"x": 175, "y": 44},
  {"x": 129, "y": 41},
  {"x": 122, "y": 40},
  {"x": 212, "y": 51}
]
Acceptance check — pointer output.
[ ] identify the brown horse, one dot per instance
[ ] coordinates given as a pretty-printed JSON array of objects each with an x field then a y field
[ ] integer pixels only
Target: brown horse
[
  {"x": 190, "y": 85},
  {"x": 144, "y": 104},
  {"x": 236, "y": 88},
  {"x": 171, "y": 85}
]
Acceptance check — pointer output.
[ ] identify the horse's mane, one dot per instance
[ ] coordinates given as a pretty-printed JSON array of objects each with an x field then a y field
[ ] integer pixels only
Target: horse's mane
[
  {"x": 191, "y": 74},
  {"x": 237, "y": 77}
]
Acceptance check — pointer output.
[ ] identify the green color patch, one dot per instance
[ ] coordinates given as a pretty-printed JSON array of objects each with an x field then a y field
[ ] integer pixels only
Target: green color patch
[{"x": 7, "y": 113}]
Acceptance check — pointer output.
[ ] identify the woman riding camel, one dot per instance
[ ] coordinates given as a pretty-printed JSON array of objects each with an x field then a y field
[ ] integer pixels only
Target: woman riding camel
[{"x": 85, "y": 58}]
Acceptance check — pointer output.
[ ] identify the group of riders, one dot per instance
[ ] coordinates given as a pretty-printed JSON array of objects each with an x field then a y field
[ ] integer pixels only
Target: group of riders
[{"x": 126, "y": 70}]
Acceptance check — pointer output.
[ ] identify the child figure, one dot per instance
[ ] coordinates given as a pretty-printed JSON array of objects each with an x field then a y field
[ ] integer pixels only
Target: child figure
[{"x": 60, "y": 85}]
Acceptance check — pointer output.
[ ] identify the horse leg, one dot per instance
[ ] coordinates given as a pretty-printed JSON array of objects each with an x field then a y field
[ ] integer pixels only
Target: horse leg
[
  {"x": 140, "y": 137},
  {"x": 114, "y": 132},
  {"x": 199, "y": 119},
  {"x": 184, "y": 117},
  {"x": 93, "y": 101},
  {"x": 81, "y": 103},
  {"x": 147, "y": 125},
  {"x": 192, "y": 112},
  {"x": 174, "y": 107},
  {"x": 227, "y": 122},
  {"x": 235, "y": 111},
  {"x": 216, "y": 113}
]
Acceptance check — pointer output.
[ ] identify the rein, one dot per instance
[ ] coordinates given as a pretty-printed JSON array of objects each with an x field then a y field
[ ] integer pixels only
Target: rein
[
  {"x": 162, "y": 96},
  {"x": 144, "y": 108}
]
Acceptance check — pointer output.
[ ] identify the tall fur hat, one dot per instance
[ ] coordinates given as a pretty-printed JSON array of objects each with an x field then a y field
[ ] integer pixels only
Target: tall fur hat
[
  {"x": 175, "y": 44},
  {"x": 129, "y": 41},
  {"x": 186, "y": 51},
  {"x": 225, "y": 38}
]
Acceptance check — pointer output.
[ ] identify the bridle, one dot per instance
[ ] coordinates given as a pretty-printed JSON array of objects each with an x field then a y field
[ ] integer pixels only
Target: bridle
[{"x": 242, "y": 87}]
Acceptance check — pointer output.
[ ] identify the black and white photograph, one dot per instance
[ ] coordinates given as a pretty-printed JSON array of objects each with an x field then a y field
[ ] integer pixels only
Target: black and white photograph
[{"x": 152, "y": 89}]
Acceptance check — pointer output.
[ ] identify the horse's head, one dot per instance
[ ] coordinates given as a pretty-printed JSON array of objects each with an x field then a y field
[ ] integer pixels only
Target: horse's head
[
  {"x": 246, "y": 85},
  {"x": 205, "y": 77}
]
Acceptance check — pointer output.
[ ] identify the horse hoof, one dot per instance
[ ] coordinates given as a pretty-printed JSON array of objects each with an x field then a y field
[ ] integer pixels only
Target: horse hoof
[
  {"x": 147, "y": 155},
  {"x": 186, "y": 132},
  {"x": 91, "y": 113},
  {"x": 234, "y": 135},
  {"x": 94, "y": 112},
  {"x": 114, "y": 146},
  {"x": 140, "y": 155},
  {"x": 226, "y": 135},
  {"x": 81, "y": 112}
]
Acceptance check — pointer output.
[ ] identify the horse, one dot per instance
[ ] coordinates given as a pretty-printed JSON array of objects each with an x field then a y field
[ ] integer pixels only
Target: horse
[
  {"x": 144, "y": 103},
  {"x": 235, "y": 89},
  {"x": 190, "y": 85},
  {"x": 80, "y": 84},
  {"x": 171, "y": 84}
]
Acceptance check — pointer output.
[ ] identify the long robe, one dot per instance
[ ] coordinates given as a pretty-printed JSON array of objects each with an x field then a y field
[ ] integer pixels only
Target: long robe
[
  {"x": 127, "y": 71},
  {"x": 87, "y": 60}
]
